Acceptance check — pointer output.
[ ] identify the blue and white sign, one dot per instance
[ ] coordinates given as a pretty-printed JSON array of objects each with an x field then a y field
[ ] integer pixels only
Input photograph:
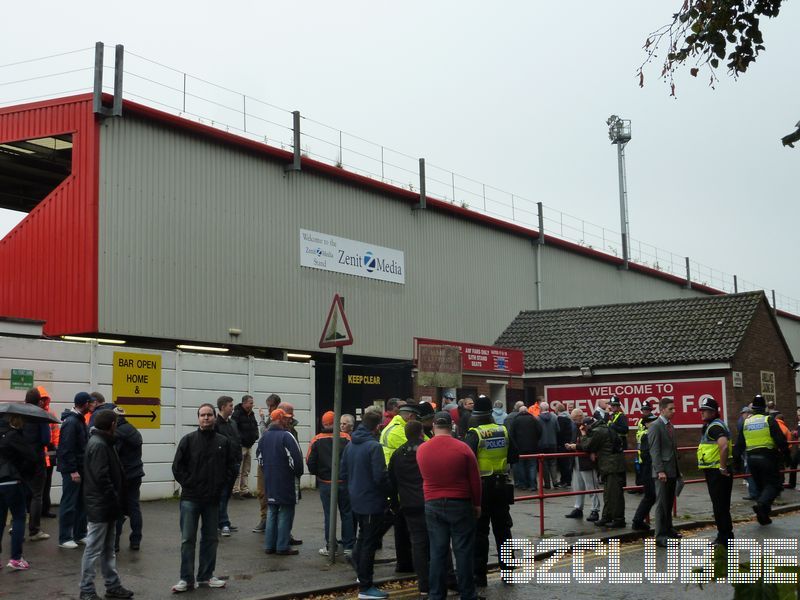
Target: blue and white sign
[{"x": 351, "y": 257}]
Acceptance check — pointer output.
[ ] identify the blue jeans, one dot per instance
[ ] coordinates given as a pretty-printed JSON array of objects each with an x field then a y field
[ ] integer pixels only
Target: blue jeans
[
  {"x": 191, "y": 513},
  {"x": 71, "y": 513},
  {"x": 224, "y": 520},
  {"x": 451, "y": 520},
  {"x": 12, "y": 498},
  {"x": 345, "y": 513},
  {"x": 99, "y": 546},
  {"x": 279, "y": 527}
]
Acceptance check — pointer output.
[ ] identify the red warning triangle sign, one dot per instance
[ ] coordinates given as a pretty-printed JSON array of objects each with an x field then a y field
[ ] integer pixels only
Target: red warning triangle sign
[{"x": 337, "y": 330}]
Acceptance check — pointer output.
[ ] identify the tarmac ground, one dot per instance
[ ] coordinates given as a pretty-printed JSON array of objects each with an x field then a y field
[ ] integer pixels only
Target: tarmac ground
[{"x": 251, "y": 574}]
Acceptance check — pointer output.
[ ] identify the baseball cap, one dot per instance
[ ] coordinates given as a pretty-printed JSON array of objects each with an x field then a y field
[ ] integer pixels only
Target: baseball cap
[
  {"x": 449, "y": 395},
  {"x": 327, "y": 419},
  {"x": 82, "y": 398},
  {"x": 746, "y": 409},
  {"x": 277, "y": 414},
  {"x": 443, "y": 418}
]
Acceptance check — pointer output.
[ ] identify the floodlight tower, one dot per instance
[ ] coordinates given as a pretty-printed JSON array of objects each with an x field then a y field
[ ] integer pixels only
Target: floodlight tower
[{"x": 619, "y": 132}]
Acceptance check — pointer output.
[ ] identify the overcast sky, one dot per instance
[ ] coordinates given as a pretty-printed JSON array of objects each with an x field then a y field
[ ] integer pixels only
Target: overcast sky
[{"x": 513, "y": 94}]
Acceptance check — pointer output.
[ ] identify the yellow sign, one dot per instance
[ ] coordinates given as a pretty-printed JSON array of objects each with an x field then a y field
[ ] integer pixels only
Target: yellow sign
[
  {"x": 364, "y": 379},
  {"x": 136, "y": 388}
]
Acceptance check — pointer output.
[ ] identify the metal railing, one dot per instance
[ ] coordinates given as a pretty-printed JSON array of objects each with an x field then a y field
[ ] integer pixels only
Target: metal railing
[
  {"x": 540, "y": 496},
  {"x": 175, "y": 91}
]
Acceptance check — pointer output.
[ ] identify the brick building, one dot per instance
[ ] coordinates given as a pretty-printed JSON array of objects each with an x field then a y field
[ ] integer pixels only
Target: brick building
[{"x": 727, "y": 346}]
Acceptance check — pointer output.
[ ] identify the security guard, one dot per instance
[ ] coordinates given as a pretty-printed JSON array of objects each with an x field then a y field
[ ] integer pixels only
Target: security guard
[
  {"x": 598, "y": 437},
  {"x": 641, "y": 430},
  {"x": 618, "y": 421},
  {"x": 394, "y": 434},
  {"x": 392, "y": 437},
  {"x": 495, "y": 451},
  {"x": 765, "y": 444},
  {"x": 713, "y": 460}
]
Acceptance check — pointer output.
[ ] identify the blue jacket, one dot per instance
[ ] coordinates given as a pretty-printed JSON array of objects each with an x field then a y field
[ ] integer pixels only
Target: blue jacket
[
  {"x": 364, "y": 470},
  {"x": 282, "y": 463},
  {"x": 72, "y": 443}
]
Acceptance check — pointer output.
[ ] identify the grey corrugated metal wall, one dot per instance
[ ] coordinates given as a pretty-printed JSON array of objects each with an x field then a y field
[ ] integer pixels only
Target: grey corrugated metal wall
[{"x": 197, "y": 237}]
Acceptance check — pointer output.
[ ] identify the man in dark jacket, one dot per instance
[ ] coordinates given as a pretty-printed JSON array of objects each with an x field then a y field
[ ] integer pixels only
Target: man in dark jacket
[
  {"x": 646, "y": 466},
  {"x": 525, "y": 432},
  {"x": 246, "y": 424},
  {"x": 320, "y": 463},
  {"x": 104, "y": 495},
  {"x": 17, "y": 463},
  {"x": 226, "y": 426},
  {"x": 282, "y": 463},
  {"x": 406, "y": 486},
  {"x": 129, "y": 448},
  {"x": 204, "y": 463},
  {"x": 548, "y": 444},
  {"x": 37, "y": 435},
  {"x": 98, "y": 404},
  {"x": 598, "y": 438},
  {"x": 364, "y": 469},
  {"x": 564, "y": 437},
  {"x": 71, "y": 447}
]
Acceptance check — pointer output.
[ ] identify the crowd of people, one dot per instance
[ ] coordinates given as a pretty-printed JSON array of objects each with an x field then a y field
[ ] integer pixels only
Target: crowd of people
[
  {"x": 442, "y": 480},
  {"x": 99, "y": 456}
]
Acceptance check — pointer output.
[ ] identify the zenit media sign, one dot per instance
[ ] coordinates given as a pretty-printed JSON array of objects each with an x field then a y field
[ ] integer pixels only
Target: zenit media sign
[{"x": 351, "y": 257}]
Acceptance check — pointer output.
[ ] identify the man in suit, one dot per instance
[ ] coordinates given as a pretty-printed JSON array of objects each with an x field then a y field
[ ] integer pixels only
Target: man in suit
[{"x": 664, "y": 454}]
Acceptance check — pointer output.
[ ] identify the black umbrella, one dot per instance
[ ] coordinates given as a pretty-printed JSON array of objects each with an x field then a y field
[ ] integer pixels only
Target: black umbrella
[{"x": 30, "y": 412}]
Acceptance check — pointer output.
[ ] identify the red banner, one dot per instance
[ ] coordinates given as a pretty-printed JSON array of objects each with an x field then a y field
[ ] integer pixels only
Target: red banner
[
  {"x": 482, "y": 359},
  {"x": 687, "y": 394}
]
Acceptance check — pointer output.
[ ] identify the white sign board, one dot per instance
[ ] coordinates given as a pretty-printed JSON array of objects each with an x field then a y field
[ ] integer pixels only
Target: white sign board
[{"x": 340, "y": 255}]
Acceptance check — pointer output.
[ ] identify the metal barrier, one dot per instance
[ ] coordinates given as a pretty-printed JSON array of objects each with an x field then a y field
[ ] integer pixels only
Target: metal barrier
[{"x": 540, "y": 495}]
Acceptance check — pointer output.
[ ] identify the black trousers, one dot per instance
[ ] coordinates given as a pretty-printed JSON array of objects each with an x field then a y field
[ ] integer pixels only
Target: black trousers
[
  {"x": 48, "y": 482},
  {"x": 402, "y": 545},
  {"x": 613, "y": 497},
  {"x": 420, "y": 548},
  {"x": 370, "y": 531},
  {"x": 719, "y": 489},
  {"x": 764, "y": 470},
  {"x": 649, "y": 499},
  {"x": 494, "y": 511}
]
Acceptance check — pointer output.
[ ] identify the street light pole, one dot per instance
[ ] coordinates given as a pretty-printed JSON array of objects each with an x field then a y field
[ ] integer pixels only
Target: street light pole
[{"x": 619, "y": 132}]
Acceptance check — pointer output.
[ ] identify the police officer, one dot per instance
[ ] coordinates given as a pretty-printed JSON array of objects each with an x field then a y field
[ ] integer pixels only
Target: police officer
[
  {"x": 641, "y": 430},
  {"x": 495, "y": 451},
  {"x": 618, "y": 421},
  {"x": 598, "y": 437},
  {"x": 764, "y": 442},
  {"x": 713, "y": 460}
]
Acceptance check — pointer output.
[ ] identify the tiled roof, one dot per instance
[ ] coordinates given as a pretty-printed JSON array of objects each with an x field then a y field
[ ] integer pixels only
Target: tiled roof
[{"x": 661, "y": 332}]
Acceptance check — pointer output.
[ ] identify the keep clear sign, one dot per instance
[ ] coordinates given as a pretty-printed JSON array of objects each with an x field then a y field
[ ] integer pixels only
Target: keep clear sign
[{"x": 137, "y": 388}]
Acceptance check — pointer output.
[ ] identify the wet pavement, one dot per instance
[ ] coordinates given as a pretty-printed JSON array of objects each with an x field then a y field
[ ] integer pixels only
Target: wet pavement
[{"x": 251, "y": 574}]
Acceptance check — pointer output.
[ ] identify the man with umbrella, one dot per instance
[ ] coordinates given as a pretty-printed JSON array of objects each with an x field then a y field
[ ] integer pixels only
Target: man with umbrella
[{"x": 18, "y": 462}]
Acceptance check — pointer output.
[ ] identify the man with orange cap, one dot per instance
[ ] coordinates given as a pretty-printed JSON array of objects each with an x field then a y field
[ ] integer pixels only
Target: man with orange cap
[
  {"x": 320, "y": 463},
  {"x": 282, "y": 462}
]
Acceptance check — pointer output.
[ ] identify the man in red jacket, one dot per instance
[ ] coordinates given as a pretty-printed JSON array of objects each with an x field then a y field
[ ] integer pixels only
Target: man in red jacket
[{"x": 452, "y": 489}]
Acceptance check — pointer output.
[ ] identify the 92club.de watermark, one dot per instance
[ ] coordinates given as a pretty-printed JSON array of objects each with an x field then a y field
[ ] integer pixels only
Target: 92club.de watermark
[{"x": 688, "y": 560}]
